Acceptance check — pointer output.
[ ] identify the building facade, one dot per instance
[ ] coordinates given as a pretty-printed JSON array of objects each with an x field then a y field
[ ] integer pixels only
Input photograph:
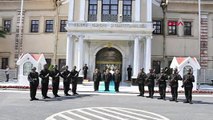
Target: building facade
[{"x": 107, "y": 33}]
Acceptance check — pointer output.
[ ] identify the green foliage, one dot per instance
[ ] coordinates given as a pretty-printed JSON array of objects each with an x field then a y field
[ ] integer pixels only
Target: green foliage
[{"x": 51, "y": 67}]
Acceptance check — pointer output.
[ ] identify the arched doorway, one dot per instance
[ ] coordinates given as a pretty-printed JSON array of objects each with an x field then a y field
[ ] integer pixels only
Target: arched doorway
[{"x": 109, "y": 58}]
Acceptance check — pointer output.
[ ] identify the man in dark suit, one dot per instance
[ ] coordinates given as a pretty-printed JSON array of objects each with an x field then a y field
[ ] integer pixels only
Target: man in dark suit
[
  {"x": 141, "y": 81},
  {"x": 188, "y": 79},
  {"x": 96, "y": 79},
  {"x": 74, "y": 80},
  {"x": 129, "y": 72},
  {"x": 44, "y": 75},
  {"x": 55, "y": 74},
  {"x": 66, "y": 75},
  {"x": 107, "y": 78},
  {"x": 117, "y": 80},
  {"x": 85, "y": 68},
  {"x": 34, "y": 82}
]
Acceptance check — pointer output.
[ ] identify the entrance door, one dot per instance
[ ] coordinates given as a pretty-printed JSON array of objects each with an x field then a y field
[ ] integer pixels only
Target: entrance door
[{"x": 109, "y": 58}]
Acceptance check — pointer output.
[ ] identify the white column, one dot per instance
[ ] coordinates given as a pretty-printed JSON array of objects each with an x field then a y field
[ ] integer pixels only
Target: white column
[
  {"x": 136, "y": 58},
  {"x": 71, "y": 10},
  {"x": 148, "y": 54},
  {"x": 149, "y": 10},
  {"x": 138, "y": 10},
  {"x": 69, "y": 53},
  {"x": 82, "y": 10},
  {"x": 80, "y": 54}
]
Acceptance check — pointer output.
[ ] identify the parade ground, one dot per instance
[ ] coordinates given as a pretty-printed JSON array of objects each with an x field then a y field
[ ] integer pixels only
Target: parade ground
[{"x": 16, "y": 105}]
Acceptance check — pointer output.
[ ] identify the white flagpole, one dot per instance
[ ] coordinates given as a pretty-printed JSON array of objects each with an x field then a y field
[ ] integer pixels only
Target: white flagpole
[{"x": 199, "y": 27}]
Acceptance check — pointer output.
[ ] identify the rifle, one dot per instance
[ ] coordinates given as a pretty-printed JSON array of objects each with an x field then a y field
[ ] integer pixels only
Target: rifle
[
  {"x": 77, "y": 73},
  {"x": 46, "y": 76}
]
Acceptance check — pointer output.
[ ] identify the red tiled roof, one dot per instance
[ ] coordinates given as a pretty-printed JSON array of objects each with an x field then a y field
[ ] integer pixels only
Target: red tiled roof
[
  {"x": 36, "y": 56},
  {"x": 180, "y": 59}
]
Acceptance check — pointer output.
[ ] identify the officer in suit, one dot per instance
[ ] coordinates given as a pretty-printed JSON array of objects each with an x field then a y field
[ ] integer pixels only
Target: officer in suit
[
  {"x": 34, "y": 82},
  {"x": 96, "y": 79},
  {"x": 117, "y": 79},
  {"x": 188, "y": 79},
  {"x": 44, "y": 75},
  {"x": 85, "y": 68},
  {"x": 74, "y": 80},
  {"x": 66, "y": 75},
  {"x": 150, "y": 80},
  {"x": 107, "y": 78},
  {"x": 174, "y": 84},
  {"x": 55, "y": 74},
  {"x": 141, "y": 81},
  {"x": 161, "y": 81},
  {"x": 129, "y": 72}
]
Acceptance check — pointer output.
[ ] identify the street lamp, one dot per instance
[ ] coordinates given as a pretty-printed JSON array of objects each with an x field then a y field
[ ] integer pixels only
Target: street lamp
[{"x": 163, "y": 5}]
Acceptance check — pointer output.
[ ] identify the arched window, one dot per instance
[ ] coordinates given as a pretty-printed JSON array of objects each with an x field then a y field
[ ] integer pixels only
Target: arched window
[
  {"x": 186, "y": 68},
  {"x": 27, "y": 68}
]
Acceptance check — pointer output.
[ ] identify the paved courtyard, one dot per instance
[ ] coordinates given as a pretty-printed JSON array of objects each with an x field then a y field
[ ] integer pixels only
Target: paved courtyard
[{"x": 15, "y": 105}]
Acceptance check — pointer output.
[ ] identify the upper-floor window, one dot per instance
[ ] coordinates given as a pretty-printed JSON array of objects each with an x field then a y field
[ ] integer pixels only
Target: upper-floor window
[
  {"x": 157, "y": 25},
  {"x": 63, "y": 24},
  {"x": 92, "y": 15},
  {"x": 109, "y": 10},
  {"x": 187, "y": 28},
  {"x": 7, "y": 25},
  {"x": 49, "y": 26},
  {"x": 34, "y": 25},
  {"x": 172, "y": 28},
  {"x": 127, "y": 10}
]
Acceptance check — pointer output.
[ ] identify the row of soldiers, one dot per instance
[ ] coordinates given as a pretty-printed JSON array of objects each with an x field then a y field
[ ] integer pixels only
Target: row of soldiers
[
  {"x": 70, "y": 77},
  {"x": 162, "y": 79}
]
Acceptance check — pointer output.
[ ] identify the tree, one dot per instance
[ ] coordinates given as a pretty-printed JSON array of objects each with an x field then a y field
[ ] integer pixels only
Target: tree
[{"x": 2, "y": 32}]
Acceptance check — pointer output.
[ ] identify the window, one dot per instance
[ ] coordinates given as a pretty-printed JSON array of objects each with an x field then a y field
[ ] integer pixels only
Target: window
[
  {"x": 157, "y": 25},
  {"x": 63, "y": 24},
  {"x": 127, "y": 10},
  {"x": 7, "y": 25},
  {"x": 34, "y": 25},
  {"x": 61, "y": 63},
  {"x": 48, "y": 60},
  {"x": 27, "y": 68},
  {"x": 172, "y": 28},
  {"x": 49, "y": 26},
  {"x": 4, "y": 63},
  {"x": 156, "y": 65},
  {"x": 92, "y": 10},
  {"x": 187, "y": 28},
  {"x": 109, "y": 10}
]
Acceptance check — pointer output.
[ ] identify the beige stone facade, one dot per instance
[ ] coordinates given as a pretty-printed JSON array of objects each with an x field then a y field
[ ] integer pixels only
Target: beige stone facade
[{"x": 56, "y": 41}]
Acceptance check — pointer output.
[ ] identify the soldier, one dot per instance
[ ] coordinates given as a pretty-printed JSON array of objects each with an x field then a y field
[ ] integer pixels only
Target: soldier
[
  {"x": 107, "y": 78},
  {"x": 161, "y": 81},
  {"x": 141, "y": 81},
  {"x": 74, "y": 80},
  {"x": 174, "y": 84},
  {"x": 34, "y": 81},
  {"x": 85, "y": 68},
  {"x": 66, "y": 75},
  {"x": 44, "y": 75},
  {"x": 187, "y": 84},
  {"x": 55, "y": 74},
  {"x": 129, "y": 72},
  {"x": 117, "y": 80},
  {"x": 96, "y": 79},
  {"x": 151, "y": 76}
]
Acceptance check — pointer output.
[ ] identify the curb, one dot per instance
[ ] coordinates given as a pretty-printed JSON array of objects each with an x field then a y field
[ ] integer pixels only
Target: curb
[{"x": 50, "y": 88}]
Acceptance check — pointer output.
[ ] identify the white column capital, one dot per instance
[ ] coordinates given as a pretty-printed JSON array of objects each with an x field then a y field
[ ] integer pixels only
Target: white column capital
[{"x": 81, "y": 36}]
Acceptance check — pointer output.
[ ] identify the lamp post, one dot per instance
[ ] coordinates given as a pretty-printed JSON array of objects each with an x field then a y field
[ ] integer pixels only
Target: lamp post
[{"x": 163, "y": 5}]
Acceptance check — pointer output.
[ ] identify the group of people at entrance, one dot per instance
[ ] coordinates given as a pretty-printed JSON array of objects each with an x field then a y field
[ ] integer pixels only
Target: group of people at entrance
[
  {"x": 161, "y": 80},
  {"x": 69, "y": 77}
]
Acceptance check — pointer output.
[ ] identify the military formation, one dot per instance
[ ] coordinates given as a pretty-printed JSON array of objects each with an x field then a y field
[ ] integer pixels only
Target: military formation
[{"x": 164, "y": 78}]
